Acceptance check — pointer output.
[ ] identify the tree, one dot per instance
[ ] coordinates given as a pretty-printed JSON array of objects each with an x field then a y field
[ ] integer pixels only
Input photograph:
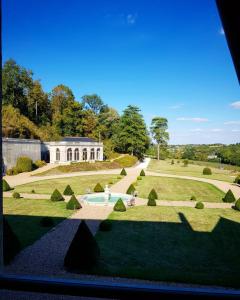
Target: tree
[
  {"x": 92, "y": 102},
  {"x": 72, "y": 120},
  {"x": 132, "y": 136},
  {"x": 61, "y": 96},
  {"x": 159, "y": 132},
  {"x": 108, "y": 120}
]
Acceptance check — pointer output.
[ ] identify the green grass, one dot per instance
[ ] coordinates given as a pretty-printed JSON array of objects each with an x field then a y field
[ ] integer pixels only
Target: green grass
[
  {"x": 169, "y": 188},
  {"x": 24, "y": 217},
  {"x": 164, "y": 166},
  {"x": 79, "y": 184},
  {"x": 173, "y": 244}
]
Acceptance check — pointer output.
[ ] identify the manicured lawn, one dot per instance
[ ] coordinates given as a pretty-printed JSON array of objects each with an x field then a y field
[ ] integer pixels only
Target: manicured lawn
[
  {"x": 173, "y": 244},
  {"x": 178, "y": 189},
  {"x": 164, "y": 166},
  {"x": 24, "y": 217},
  {"x": 79, "y": 184}
]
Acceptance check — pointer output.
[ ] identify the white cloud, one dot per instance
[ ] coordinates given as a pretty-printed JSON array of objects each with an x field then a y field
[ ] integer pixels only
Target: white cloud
[
  {"x": 235, "y": 130},
  {"x": 131, "y": 19},
  {"x": 232, "y": 123},
  {"x": 235, "y": 105},
  {"x": 177, "y": 106},
  {"x": 196, "y": 130},
  {"x": 197, "y": 120},
  {"x": 216, "y": 130},
  {"x": 221, "y": 31}
]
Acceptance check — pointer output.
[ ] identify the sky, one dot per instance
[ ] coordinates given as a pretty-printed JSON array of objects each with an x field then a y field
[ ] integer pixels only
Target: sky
[{"x": 170, "y": 58}]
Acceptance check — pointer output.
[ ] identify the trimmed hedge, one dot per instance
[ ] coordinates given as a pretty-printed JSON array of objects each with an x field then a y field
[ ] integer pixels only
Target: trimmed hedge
[
  {"x": 172, "y": 162},
  {"x": 83, "y": 253},
  {"x": 237, "y": 179},
  {"x": 123, "y": 172},
  {"x": 193, "y": 198},
  {"x": 16, "y": 195},
  {"x": 199, "y": 205},
  {"x": 68, "y": 191},
  {"x": 40, "y": 163},
  {"x": 139, "y": 178},
  {"x": 73, "y": 203},
  {"x": 229, "y": 197},
  {"x": 46, "y": 222},
  {"x": 24, "y": 164},
  {"x": 5, "y": 186},
  {"x": 131, "y": 189},
  {"x": 98, "y": 188},
  {"x": 207, "y": 171},
  {"x": 151, "y": 200},
  {"x": 105, "y": 225},
  {"x": 56, "y": 196},
  {"x": 237, "y": 204},
  {"x": 119, "y": 206},
  {"x": 153, "y": 194},
  {"x": 142, "y": 173}
]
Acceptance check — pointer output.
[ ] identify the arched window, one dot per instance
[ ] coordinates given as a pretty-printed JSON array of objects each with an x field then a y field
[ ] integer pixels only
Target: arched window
[
  {"x": 98, "y": 153},
  {"x": 84, "y": 154},
  {"x": 76, "y": 154},
  {"x": 57, "y": 154},
  {"x": 69, "y": 154},
  {"x": 92, "y": 154}
]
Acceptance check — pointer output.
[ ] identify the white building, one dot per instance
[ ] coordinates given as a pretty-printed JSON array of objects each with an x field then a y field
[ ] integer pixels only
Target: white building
[{"x": 74, "y": 149}]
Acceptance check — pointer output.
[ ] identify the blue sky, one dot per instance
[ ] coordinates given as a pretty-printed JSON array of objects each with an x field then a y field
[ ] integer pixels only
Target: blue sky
[{"x": 168, "y": 57}]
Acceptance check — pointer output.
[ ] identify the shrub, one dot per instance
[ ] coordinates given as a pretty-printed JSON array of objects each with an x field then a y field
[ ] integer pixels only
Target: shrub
[
  {"x": 24, "y": 164},
  {"x": 229, "y": 197},
  {"x": 83, "y": 253},
  {"x": 40, "y": 163},
  {"x": 68, "y": 191},
  {"x": 237, "y": 179},
  {"x": 237, "y": 204},
  {"x": 16, "y": 195},
  {"x": 5, "y": 186},
  {"x": 105, "y": 225},
  {"x": 172, "y": 162},
  {"x": 142, "y": 173},
  {"x": 9, "y": 171},
  {"x": 199, "y": 205},
  {"x": 139, "y": 178},
  {"x": 98, "y": 188},
  {"x": 178, "y": 161},
  {"x": 33, "y": 191},
  {"x": 131, "y": 189},
  {"x": 119, "y": 177},
  {"x": 193, "y": 198},
  {"x": 185, "y": 162},
  {"x": 46, "y": 222},
  {"x": 15, "y": 171},
  {"x": 151, "y": 200},
  {"x": 153, "y": 194},
  {"x": 119, "y": 206},
  {"x": 56, "y": 196},
  {"x": 73, "y": 203},
  {"x": 110, "y": 182},
  {"x": 207, "y": 171},
  {"x": 123, "y": 172},
  {"x": 11, "y": 244}
]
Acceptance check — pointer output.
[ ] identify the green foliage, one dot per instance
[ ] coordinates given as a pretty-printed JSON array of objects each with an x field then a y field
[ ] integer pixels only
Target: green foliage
[
  {"x": 119, "y": 177},
  {"x": 193, "y": 198},
  {"x": 15, "y": 170},
  {"x": 172, "y": 162},
  {"x": 98, "y": 188},
  {"x": 237, "y": 204},
  {"x": 33, "y": 191},
  {"x": 105, "y": 225},
  {"x": 56, "y": 196},
  {"x": 46, "y": 222},
  {"x": 207, "y": 171},
  {"x": 185, "y": 162},
  {"x": 68, "y": 191},
  {"x": 126, "y": 161},
  {"x": 119, "y": 206},
  {"x": 9, "y": 171},
  {"x": 24, "y": 164},
  {"x": 16, "y": 195},
  {"x": 123, "y": 172},
  {"x": 73, "y": 203},
  {"x": 83, "y": 253},
  {"x": 237, "y": 179},
  {"x": 5, "y": 186},
  {"x": 199, "y": 205},
  {"x": 40, "y": 163},
  {"x": 131, "y": 189},
  {"x": 151, "y": 200},
  {"x": 139, "y": 178},
  {"x": 229, "y": 197},
  {"x": 142, "y": 173},
  {"x": 153, "y": 194}
]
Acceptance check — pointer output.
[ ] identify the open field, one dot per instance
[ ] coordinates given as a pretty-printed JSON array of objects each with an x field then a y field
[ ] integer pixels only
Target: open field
[
  {"x": 124, "y": 161},
  {"x": 169, "y": 188},
  {"x": 164, "y": 166},
  {"x": 24, "y": 217},
  {"x": 79, "y": 184},
  {"x": 173, "y": 244}
]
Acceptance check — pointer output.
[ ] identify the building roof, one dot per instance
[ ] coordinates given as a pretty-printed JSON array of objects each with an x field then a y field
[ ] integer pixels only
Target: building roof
[{"x": 78, "y": 139}]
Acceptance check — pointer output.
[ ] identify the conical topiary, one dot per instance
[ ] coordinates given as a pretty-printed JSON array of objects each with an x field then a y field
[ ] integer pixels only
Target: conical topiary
[
  {"x": 131, "y": 189},
  {"x": 229, "y": 197},
  {"x": 199, "y": 205},
  {"x": 237, "y": 204},
  {"x": 119, "y": 206},
  {"x": 123, "y": 172},
  {"x": 57, "y": 196},
  {"x": 98, "y": 188},
  {"x": 151, "y": 200},
  {"x": 73, "y": 203},
  {"x": 83, "y": 253},
  {"x": 153, "y": 193},
  {"x": 142, "y": 173},
  {"x": 68, "y": 191},
  {"x": 5, "y": 186}
]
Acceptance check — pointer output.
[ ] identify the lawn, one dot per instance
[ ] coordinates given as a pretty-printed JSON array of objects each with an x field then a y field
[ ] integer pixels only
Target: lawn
[
  {"x": 169, "y": 188},
  {"x": 79, "y": 184},
  {"x": 165, "y": 166},
  {"x": 24, "y": 217},
  {"x": 173, "y": 244}
]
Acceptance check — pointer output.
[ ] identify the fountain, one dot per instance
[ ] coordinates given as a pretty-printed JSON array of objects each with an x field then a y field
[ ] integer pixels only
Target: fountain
[{"x": 107, "y": 194}]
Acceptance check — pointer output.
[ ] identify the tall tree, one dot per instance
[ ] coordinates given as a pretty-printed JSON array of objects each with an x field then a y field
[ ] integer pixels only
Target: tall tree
[
  {"x": 61, "y": 97},
  {"x": 92, "y": 102},
  {"x": 73, "y": 119},
  {"x": 132, "y": 136},
  {"x": 159, "y": 132}
]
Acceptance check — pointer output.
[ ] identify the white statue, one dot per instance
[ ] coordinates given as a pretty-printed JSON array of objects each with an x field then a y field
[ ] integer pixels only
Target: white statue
[{"x": 107, "y": 194}]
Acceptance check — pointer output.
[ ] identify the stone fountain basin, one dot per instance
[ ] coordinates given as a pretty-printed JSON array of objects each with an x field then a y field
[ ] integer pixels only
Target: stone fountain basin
[{"x": 100, "y": 198}]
